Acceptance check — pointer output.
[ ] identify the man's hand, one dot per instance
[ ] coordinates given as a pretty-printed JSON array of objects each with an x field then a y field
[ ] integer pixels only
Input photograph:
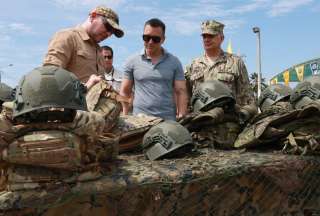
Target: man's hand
[{"x": 93, "y": 79}]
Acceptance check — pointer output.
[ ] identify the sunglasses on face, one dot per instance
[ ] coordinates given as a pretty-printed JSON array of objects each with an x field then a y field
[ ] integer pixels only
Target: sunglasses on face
[
  {"x": 147, "y": 38},
  {"x": 210, "y": 36},
  {"x": 108, "y": 57},
  {"x": 108, "y": 27}
]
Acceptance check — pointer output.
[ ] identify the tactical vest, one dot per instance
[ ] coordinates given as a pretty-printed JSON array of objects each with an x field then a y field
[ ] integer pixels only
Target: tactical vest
[
  {"x": 69, "y": 146},
  {"x": 295, "y": 131},
  {"x": 264, "y": 130},
  {"x": 304, "y": 136},
  {"x": 102, "y": 98},
  {"x": 48, "y": 148}
]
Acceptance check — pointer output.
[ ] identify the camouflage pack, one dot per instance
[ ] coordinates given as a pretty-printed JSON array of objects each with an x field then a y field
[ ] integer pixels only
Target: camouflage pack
[
  {"x": 296, "y": 131},
  {"x": 131, "y": 130},
  {"x": 102, "y": 98},
  {"x": 52, "y": 149},
  {"x": 213, "y": 128}
]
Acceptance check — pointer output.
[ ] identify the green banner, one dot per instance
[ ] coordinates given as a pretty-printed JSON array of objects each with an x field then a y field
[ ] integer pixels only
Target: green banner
[{"x": 298, "y": 72}]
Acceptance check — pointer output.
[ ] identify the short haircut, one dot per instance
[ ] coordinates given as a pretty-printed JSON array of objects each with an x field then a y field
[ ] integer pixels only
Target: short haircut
[
  {"x": 107, "y": 48},
  {"x": 155, "y": 22}
]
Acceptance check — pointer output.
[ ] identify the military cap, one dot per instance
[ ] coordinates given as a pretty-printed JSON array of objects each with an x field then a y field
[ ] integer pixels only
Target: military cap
[
  {"x": 211, "y": 27},
  {"x": 111, "y": 18}
]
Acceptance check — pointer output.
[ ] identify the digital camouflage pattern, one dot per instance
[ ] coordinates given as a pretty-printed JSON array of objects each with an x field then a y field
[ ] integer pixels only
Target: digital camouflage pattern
[
  {"x": 102, "y": 98},
  {"x": 211, "y": 183},
  {"x": 211, "y": 27},
  {"x": 229, "y": 69}
]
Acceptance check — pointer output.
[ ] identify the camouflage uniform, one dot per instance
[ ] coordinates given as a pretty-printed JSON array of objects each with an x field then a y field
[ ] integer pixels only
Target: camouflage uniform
[
  {"x": 227, "y": 68},
  {"x": 102, "y": 98},
  {"x": 49, "y": 134}
]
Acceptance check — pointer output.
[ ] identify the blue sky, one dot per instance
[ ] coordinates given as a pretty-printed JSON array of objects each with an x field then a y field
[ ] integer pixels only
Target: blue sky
[{"x": 289, "y": 29}]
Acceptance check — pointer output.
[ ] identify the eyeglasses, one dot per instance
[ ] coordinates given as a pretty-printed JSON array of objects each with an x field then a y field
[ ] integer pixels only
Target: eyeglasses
[
  {"x": 155, "y": 39},
  {"x": 108, "y": 57}
]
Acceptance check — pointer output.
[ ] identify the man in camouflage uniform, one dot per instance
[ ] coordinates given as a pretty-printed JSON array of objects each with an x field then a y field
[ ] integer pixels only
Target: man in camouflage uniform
[{"x": 216, "y": 64}]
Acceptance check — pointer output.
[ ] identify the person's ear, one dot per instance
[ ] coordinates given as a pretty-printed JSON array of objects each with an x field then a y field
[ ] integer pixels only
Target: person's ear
[
  {"x": 163, "y": 38},
  {"x": 222, "y": 37}
]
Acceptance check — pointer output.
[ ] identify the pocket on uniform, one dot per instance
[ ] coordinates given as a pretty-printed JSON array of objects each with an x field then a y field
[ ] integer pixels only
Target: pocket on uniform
[
  {"x": 197, "y": 76},
  {"x": 85, "y": 54},
  {"x": 226, "y": 77}
]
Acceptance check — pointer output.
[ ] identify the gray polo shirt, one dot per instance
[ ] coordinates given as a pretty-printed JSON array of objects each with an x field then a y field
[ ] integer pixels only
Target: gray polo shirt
[{"x": 153, "y": 84}]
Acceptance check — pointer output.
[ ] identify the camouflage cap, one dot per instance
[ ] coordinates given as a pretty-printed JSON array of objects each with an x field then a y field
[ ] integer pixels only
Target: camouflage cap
[
  {"x": 111, "y": 18},
  {"x": 211, "y": 27}
]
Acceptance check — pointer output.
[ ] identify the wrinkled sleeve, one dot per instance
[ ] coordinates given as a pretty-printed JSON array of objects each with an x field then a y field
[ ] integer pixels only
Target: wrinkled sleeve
[
  {"x": 179, "y": 74},
  {"x": 187, "y": 74},
  {"x": 245, "y": 93},
  {"x": 128, "y": 69},
  {"x": 60, "y": 50}
]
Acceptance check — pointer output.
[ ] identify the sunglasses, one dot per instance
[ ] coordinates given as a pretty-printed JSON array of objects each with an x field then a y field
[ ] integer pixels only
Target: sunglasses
[
  {"x": 108, "y": 57},
  {"x": 208, "y": 36},
  {"x": 108, "y": 27},
  {"x": 147, "y": 38}
]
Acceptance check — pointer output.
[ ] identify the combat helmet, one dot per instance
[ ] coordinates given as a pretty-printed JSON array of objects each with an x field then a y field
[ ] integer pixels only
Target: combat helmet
[
  {"x": 306, "y": 92},
  {"x": 212, "y": 94},
  {"x": 166, "y": 139},
  {"x": 45, "y": 90},
  {"x": 273, "y": 94},
  {"x": 5, "y": 93}
]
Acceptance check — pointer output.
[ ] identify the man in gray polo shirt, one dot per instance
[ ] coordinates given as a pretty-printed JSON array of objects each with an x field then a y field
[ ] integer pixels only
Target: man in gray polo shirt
[{"x": 157, "y": 77}]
